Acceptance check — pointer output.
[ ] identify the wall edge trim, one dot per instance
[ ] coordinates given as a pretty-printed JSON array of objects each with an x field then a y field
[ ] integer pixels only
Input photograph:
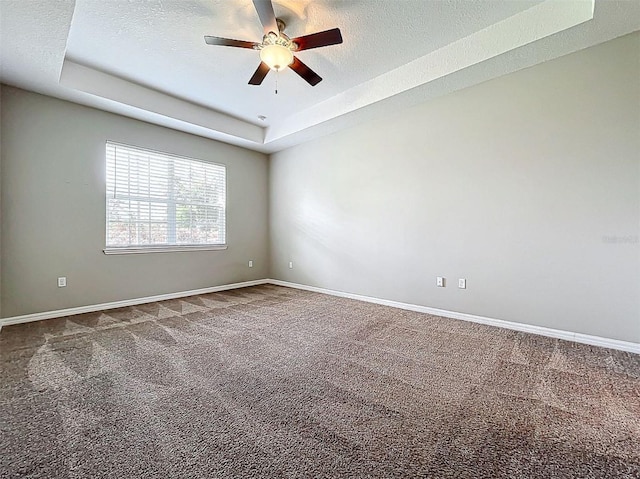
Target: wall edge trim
[
  {"x": 500, "y": 323},
  {"x": 92, "y": 308}
]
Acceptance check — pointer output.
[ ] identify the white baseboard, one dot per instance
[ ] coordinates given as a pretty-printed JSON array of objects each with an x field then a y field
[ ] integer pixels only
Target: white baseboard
[
  {"x": 527, "y": 328},
  {"x": 121, "y": 304}
]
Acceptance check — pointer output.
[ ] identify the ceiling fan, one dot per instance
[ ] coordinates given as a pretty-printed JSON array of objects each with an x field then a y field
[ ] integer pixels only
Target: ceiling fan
[{"x": 277, "y": 49}]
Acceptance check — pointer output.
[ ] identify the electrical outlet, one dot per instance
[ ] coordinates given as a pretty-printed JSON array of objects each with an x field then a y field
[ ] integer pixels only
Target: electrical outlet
[
  {"x": 62, "y": 281},
  {"x": 462, "y": 283},
  {"x": 250, "y": 263},
  {"x": 290, "y": 264},
  {"x": 440, "y": 282}
]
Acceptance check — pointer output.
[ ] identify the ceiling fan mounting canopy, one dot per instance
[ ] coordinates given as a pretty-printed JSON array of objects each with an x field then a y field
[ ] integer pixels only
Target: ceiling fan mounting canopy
[{"x": 276, "y": 49}]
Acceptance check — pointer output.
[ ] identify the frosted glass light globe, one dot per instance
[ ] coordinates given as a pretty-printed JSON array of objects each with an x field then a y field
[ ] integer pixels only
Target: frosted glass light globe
[{"x": 276, "y": 57}]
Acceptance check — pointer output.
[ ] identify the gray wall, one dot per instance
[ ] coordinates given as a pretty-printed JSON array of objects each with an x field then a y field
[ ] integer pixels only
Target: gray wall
[
  {"x": 53, "y": 209},
  {"x": 528, "y": 186}
]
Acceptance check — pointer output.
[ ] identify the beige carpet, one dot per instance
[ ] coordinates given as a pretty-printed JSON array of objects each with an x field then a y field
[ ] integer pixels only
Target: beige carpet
[{"x": 272, "y": 382}]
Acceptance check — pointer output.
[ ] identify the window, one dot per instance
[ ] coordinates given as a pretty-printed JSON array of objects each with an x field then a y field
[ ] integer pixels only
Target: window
[{"x": 162, "y": 202}]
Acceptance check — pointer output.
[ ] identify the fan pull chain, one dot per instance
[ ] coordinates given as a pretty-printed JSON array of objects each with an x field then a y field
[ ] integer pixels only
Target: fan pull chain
[{"x": 277, "y": 75}]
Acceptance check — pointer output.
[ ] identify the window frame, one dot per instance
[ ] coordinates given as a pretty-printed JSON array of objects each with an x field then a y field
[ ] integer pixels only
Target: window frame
[{"x": 168, "y": 247}]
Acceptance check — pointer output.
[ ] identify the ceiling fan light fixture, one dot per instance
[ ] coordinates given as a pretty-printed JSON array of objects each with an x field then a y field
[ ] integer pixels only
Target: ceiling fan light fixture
[
  {"x": 276, "y": 48},
  {"x": 277, "y": 57}
]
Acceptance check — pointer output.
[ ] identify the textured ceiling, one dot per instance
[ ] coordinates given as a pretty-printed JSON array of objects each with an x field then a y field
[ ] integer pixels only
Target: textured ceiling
[
  {"x": 170, "y": 54},
  {"x": 147, "y": 58}
]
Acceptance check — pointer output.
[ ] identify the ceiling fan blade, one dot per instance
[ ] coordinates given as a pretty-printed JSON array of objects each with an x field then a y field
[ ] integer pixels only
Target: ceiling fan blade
[
  {"x": 305, "y": 72},
  {"x": 228, "y": 42},
  {"x": 320, "y": 39},
  {"x": 259, "y": 74},
  {"x": 267, "y": 15}
]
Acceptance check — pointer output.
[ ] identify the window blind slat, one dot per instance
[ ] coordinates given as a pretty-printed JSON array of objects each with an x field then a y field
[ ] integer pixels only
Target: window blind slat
[{"x": 161, "y": 199}]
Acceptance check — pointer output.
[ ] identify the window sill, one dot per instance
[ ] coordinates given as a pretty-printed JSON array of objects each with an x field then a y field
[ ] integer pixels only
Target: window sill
[{"x": 164, "y": 249}]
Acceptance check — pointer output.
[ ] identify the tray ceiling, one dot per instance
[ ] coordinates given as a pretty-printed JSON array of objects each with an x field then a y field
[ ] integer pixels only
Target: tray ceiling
[{"x": 148, "y": 60}]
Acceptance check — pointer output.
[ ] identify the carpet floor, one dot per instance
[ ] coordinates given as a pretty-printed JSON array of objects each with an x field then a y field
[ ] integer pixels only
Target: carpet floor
[{"x": 271, "y": 382}]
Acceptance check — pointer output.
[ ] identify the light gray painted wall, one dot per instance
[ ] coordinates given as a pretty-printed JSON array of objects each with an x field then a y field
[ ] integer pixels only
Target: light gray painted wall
[
  {"x": 53, "y": 209},
  {"x": 528, "y": 186}
]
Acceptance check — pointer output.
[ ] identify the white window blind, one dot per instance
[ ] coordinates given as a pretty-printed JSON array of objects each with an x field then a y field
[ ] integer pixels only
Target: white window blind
[{"x": 156, "y": 199}]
